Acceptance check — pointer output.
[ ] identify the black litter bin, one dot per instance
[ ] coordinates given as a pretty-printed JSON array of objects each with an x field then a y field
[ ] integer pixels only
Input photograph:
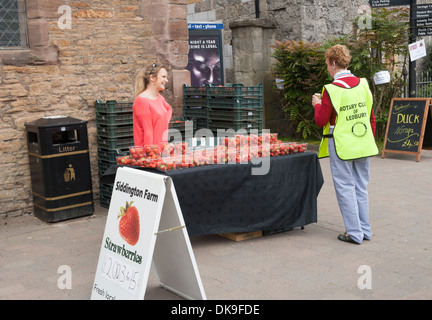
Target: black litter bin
[{"x": 60, "y": 168}]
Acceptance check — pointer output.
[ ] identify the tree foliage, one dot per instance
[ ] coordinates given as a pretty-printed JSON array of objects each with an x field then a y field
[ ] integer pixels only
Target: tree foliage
[{"x": 299, "y": 65}]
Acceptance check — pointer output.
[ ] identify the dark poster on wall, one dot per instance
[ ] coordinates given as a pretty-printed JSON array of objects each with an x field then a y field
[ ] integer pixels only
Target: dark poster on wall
[{"x": 205, "y": 54}]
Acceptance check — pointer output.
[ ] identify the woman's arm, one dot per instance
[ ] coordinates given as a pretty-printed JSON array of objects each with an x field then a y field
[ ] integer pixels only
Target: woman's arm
[{"x": 323, "y": 110}]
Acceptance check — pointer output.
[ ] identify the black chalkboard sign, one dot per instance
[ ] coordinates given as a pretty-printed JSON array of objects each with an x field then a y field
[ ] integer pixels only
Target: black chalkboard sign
[
  {"x": 427, "y": 141},
  {"x": 406, "y": 126}
]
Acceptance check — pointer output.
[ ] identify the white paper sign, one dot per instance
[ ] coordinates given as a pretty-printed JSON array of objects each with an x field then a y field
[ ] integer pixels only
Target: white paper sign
[
  {"x": 139, "y": 202},
  {"x": 381, "y": 77},
  {"x": 279, "y": 84},
  {"x": 417, "y": 50}
]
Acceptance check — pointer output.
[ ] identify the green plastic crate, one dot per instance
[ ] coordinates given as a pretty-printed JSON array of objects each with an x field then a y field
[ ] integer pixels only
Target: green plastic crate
[
  {"x": 235, "y": 114},
  {"x": 110, "y": 155},
  {"x": 185, "y": 126},
  {"x": 106, "y": 189},
  {"x": 195, "y": 91},
  {"x": 103, "y": 166},
  {"x": 198, "y": 101},
  {"x": 105, "y": 192},
  {"x": 111, "y": 106},
  {"x": 180, "y": 124},
  {"x": 115, "y": 143},
  {"x": 199, "y": 123},
  {"x": 235, "y": 90},
  {"x": 114, "y": 118},
  {"x": 213, "y": 125},
  {"x": 114, "y": 131},
  {"x": 195, "y": 112},
  {"x": 214, "y": 102},
  {"x": 104, "y": 201}
]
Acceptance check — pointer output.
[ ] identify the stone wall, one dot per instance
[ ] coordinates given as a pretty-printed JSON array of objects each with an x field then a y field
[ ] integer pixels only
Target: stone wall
[
  {"x": 310, "y": 20},
  {"x": 66, "y": 69}
]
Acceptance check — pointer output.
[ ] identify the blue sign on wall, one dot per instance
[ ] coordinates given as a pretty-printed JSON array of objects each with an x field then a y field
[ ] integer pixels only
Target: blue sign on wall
[{"x": 205, "y": 26}]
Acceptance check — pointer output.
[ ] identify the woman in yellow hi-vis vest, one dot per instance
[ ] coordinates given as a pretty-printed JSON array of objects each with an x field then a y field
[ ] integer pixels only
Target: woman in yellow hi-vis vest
[{"x": 345, "y": 112}]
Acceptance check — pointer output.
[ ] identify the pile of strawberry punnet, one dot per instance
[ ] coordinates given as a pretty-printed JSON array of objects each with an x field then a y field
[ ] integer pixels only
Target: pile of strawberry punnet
[{"x": 238, "y": 149}]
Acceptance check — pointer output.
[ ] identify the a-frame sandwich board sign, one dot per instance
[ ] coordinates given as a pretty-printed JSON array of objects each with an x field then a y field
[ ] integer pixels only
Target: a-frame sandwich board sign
[
  {"x": 406, "y": 126},
  {"x": 157, "y": 236}
]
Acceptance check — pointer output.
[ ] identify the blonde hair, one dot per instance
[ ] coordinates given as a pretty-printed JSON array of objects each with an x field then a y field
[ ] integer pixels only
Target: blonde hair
[
  {"x": 143, "y": 77},
  {"x": 340, "y": 55}
]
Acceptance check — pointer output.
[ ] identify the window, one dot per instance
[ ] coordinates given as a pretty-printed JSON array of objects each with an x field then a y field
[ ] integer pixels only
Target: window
[
  {"x": 13, "y": 26},
  {"x": 24, "y": 33}
]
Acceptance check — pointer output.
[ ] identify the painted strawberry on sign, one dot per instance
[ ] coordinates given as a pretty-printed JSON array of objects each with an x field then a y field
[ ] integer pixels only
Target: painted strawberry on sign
[{"x": 129, "y": 225}]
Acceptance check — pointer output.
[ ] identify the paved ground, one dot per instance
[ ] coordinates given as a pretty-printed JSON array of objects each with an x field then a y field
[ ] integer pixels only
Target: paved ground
[{"x": 298, "y": 264}]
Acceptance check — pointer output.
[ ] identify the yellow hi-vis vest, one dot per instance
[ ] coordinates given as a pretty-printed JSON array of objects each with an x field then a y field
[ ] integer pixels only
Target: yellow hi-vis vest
[{"x": 352, "y": 133}]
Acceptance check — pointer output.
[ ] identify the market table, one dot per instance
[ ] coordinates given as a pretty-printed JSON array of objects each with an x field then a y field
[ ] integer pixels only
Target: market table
[{"x": 226, "y": 198}]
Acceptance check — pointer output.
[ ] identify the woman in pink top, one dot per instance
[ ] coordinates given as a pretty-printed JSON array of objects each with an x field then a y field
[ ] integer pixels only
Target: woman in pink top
[{"x": 151, "y": 112}]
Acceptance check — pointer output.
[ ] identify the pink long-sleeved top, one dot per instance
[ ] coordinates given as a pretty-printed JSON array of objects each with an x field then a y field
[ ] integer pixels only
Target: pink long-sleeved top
[{"x": 151, "y": 120}]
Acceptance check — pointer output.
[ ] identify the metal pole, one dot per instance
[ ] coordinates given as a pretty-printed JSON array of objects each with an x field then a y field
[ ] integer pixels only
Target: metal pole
[{"x": 412, "y": 65}]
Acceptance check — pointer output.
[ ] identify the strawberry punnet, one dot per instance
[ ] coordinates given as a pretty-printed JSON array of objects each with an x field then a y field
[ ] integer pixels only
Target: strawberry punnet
[{"x": 129, "y": 226}]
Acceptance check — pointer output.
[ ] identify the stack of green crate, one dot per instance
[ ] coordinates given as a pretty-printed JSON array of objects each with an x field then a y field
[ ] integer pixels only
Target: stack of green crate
[
  {"x": 114, "y": 122},
  {"x": 178, "y": 125},
  {"x": 235, "y": 107},
  {"x": 195, "y": 106}
]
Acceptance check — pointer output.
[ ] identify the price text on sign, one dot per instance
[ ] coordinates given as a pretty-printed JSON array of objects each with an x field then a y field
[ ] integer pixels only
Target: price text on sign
[{"x": 121, "y": 273}]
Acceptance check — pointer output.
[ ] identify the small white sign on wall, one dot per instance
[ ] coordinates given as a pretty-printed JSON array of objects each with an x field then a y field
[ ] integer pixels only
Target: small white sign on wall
[
  {"x": 381, "y": 77},
  {"x": 417, "y": 50},
  {"x": 280, "y": 84},
  {"x": 144, "y": 226}
]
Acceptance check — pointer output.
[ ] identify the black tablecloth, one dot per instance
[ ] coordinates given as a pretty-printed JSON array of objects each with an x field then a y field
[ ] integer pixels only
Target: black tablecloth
[{"x": 228, "y": 198}]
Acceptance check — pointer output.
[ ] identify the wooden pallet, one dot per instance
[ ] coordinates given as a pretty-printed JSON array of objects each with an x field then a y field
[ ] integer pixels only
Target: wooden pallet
[{"x": 240, "y": 236}]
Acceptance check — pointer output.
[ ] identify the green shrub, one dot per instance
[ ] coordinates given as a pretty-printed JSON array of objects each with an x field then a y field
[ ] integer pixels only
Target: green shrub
[{"x": 301, "y": 66}]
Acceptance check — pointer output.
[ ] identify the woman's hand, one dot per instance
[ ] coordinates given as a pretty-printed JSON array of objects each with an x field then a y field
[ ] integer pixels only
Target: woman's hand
[{"x": 316, "y": 100}]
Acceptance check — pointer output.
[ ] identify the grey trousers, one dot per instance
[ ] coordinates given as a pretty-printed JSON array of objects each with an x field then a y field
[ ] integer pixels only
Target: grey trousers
[{"x": 350, "y": 179}]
